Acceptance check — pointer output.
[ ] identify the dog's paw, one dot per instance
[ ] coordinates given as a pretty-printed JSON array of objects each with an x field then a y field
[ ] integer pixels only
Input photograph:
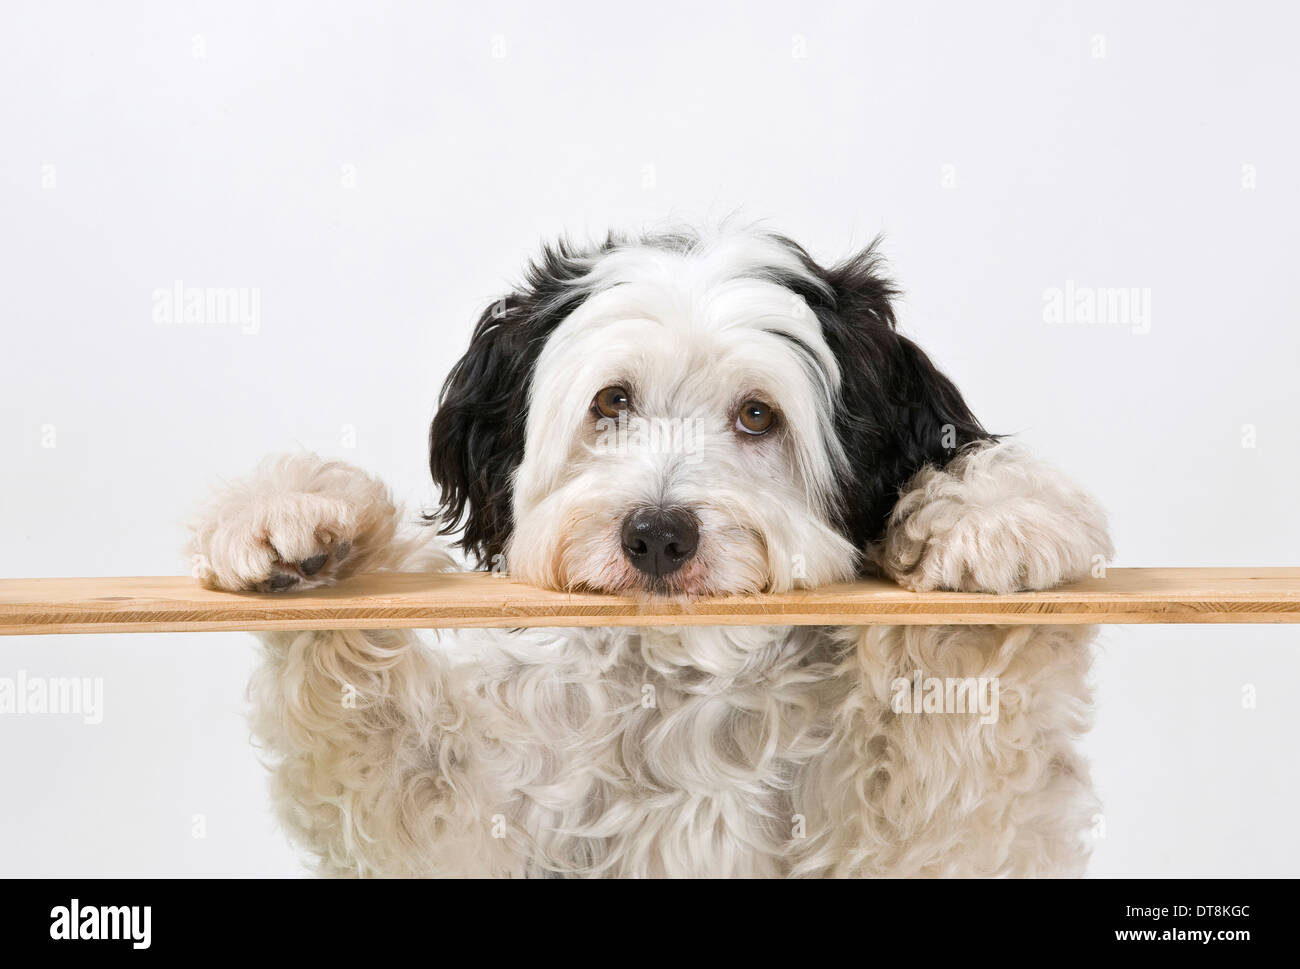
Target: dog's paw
[
  {"x": 287, "y": 541},
  {"x": 993, "y": 520},
  {"x": 299, "y": 522}
]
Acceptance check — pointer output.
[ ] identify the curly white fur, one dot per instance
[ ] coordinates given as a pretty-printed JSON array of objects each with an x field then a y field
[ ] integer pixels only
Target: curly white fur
[
  {"x": 994, "y": 519},
  {"x": 684, "y": 751}
]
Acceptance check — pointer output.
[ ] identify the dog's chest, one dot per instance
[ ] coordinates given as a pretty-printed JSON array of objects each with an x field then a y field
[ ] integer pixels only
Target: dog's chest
[{"x": 642, "y": 752}]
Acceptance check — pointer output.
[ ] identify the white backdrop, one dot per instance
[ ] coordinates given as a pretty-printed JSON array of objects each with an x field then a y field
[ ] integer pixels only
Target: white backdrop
[{"x": 375, "y": 173}]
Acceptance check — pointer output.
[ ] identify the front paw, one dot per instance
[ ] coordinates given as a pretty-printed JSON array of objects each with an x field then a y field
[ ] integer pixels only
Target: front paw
[
  {"x": 993, "y": 520},
  {"x": 298, "y": 523}
]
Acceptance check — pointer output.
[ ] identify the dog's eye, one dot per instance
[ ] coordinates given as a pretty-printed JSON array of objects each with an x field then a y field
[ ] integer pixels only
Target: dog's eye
[
  {"x": 755, "y": 417},
  {"x": 610, "y": 401}
]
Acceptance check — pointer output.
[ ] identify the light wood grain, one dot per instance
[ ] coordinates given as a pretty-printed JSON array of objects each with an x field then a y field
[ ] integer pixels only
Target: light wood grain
[{"x": 392, "y": 600}]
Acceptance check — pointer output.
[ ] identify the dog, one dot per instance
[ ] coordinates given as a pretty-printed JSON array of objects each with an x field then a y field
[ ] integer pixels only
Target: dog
[{"x": 802, "y": 440}]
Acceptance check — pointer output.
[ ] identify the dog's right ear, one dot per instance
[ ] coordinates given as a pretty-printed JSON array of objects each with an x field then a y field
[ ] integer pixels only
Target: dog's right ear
[
  {"x": 477, "y": 437},
  {"x": 476, "y": 442}
]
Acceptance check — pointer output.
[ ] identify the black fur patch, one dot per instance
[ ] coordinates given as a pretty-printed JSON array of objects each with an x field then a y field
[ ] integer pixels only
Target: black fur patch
[
  {"x": 477, "y": 438},
  {"x": 897, "y": 412}
]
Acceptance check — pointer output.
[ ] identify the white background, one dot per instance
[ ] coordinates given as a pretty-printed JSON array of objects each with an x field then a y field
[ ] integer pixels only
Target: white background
[{"x": 142, "y": 144}]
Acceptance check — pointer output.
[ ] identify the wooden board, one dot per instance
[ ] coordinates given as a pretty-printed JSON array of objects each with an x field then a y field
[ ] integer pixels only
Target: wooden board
[{"x": 392, "y": 600}]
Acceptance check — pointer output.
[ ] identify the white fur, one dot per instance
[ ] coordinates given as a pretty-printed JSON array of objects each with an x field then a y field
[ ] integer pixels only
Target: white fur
[
  {"x": 994, "y": 519},
  {"x": 682, "y": 751},
  {"x": 691, "y": 336}
]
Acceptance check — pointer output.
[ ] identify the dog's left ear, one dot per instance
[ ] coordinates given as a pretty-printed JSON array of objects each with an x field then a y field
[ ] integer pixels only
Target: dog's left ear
[{"x": 897, "y": 412}]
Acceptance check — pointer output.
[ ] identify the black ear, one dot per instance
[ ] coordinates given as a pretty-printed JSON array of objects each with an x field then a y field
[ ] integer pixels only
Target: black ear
[
  {"x": 897, "y": 412},
  {"x": 476, "y": 441}
]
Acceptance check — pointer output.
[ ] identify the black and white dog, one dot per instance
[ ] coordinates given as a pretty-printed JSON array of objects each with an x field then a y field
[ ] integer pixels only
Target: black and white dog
[{"x": 681, "y": 414}]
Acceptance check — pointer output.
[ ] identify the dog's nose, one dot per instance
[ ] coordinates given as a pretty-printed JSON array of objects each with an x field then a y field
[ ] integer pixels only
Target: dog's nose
[{"x": 659, "y": 541}]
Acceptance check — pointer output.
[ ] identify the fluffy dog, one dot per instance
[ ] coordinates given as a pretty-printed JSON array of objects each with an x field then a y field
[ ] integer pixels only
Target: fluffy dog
[{"x": 679, "y": 414}]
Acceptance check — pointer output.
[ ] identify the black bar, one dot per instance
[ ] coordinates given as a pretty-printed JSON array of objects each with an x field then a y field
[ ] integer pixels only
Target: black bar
[{"x": 297, "y": 918}]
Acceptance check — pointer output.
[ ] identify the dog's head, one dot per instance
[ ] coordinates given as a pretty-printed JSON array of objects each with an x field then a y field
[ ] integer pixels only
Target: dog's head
[{"x": 687, "y": 414}]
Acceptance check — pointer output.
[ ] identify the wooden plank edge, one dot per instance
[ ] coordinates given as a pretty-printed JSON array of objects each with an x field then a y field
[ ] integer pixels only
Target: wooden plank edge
[{"x": 1056, "y": 613}]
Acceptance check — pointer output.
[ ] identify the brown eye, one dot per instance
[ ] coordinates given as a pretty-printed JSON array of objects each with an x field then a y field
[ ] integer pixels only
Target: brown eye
[
  {"x": 610, "y": 402},
  {"x": 755, "y": 417}
]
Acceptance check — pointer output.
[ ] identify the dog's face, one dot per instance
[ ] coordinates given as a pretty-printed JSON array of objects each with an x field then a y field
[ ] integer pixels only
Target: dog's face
[
  {"x": 678, "y": 435},
  {"x": 684, "y": 415}
]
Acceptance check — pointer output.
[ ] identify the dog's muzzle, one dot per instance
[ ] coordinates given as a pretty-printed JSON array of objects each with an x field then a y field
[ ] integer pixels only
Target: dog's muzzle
[{"x": 659, "y": 541}]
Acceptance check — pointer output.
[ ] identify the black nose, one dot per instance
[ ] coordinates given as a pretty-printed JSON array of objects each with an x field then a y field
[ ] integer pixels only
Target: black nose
[{"x": 659, "y": 541}]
